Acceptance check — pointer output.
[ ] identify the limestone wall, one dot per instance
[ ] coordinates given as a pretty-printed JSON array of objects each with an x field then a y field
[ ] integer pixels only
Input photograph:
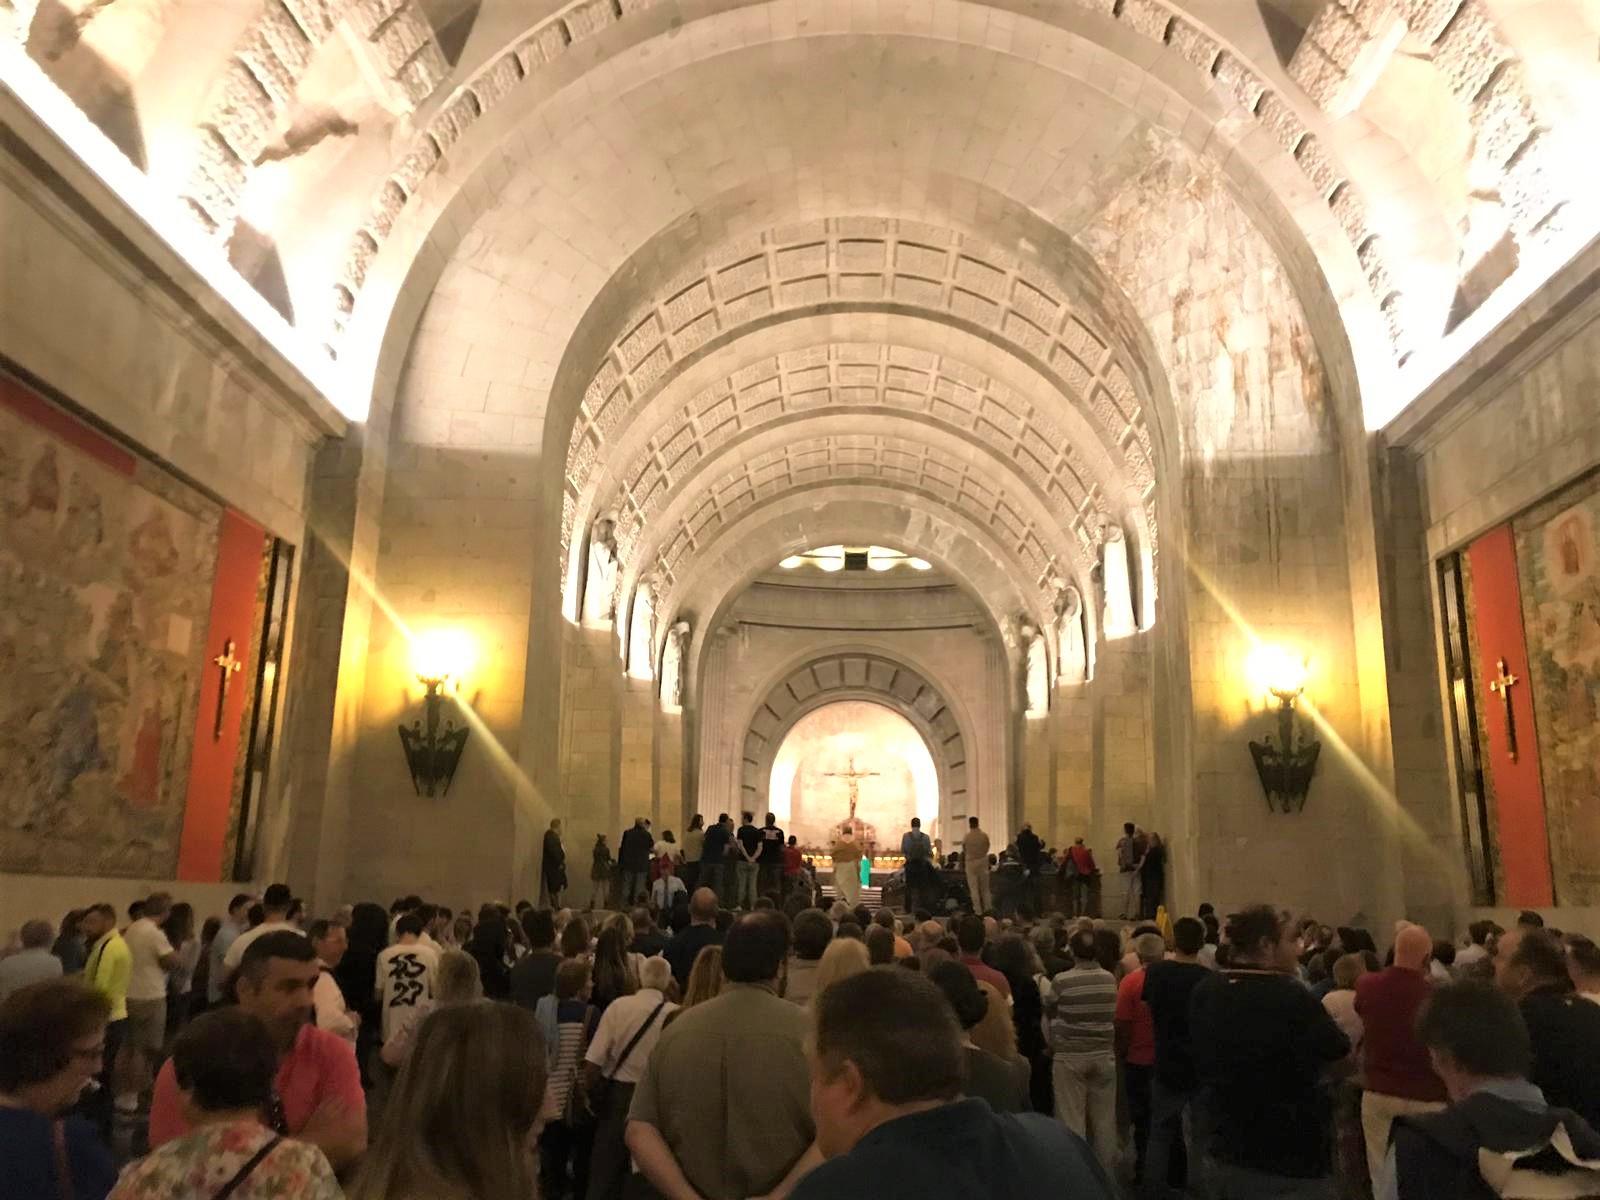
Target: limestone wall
[
  {"x": 109, "y": 321},
  {"x": 1514, "y": 422}
]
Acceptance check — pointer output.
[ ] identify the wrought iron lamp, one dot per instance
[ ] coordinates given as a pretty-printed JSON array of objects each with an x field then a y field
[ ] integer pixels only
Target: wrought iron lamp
[
  {"x": 432, "y": 753},
  {"x": 1285, "y": 767}
]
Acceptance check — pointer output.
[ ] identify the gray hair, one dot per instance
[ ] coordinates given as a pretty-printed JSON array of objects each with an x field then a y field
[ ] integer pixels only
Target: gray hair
[
  {"x": 36, "y": 934},
  {"x": 1150, "y": 947},
  {"x": 655, "y": 972}
]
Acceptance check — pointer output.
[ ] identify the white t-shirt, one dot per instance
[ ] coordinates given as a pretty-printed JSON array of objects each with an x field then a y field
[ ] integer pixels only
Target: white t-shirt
[
  {"x": 405, "y": 980},
  {"x": 241, "y": 943},
  {"x": 148, "y": 946}
]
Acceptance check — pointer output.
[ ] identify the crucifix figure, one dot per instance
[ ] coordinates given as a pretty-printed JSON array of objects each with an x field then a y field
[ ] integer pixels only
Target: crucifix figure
[
  {"x": 1502, "y": 688},
  {"x": 229, "y": 666},
  {"x": 855, "y": 777}
]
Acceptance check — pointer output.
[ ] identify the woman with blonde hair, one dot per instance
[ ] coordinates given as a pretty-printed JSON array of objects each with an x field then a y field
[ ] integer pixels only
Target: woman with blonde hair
[
  {"x": 455, "y": 981},
  {"x": 843, "y": 958},
  {"x": 463, "y": 1120},
  {"x": 705, "y": 981}
]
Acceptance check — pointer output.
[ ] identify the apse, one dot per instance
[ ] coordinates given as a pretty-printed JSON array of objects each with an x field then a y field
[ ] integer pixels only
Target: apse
[{"x": 853, "y": 759}]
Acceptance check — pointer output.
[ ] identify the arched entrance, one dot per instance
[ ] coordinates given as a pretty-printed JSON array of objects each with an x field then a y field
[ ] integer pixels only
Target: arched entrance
[{"x": 857, "y": 761}]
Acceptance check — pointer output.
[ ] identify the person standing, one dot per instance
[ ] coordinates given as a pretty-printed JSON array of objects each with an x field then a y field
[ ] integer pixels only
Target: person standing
[
  {"x": 405, "y": 974},
  {"x": 554, "y": 864},
  {"x": 1168, "y": 986},
  {"x": 228, "y": 932},
  {"x": 151, "y": 956},
  {"x": 1480, "y": 1048},
  {"x": 794, "y": 864},
  {"x": 330, "y": 941},
  {"x": 1261, "y": 1043},
  {"x": 886, "y": 1088},
  {"x": 694, "y": 844},
  {"x": 1564, "y": 1028},
  {"x": 701, "y": 932},
  {"x": 600, "y": 872},
  {"x": 714, "y": 857},
  {"x": 633, "y": 861},
  {"x": 847, "y": 866},
  {"x": 679, "y": 1128},
  {"x": 1130, "y": 853},
  {"x": 917, "y": 849},
  {"x": 317, "y": 1094},
  {"x": 1079, "y": 865},
  {"x": 770, "y": 859},
  {"x": 1398, "y": 1077},
  {"x": 1136, "y": 1045},
  {"x": 34, "y": 962},
  {"x": 224, "y": 1066},
  {"x": 1081, "y": 1007},
  {"x": 69, "y": 947},
  {"x": 1153, "y": 877},
  {"x": 1031, "y": 854},
  {"x": 613, "y": 1066},
  {"x": 747, "y": 859},
  {"x": 182, "y": 936},
  {"x": 276, "y": 904},
  {"x": 51, "y": 1045},
  {"x": 975, "y": 858}
]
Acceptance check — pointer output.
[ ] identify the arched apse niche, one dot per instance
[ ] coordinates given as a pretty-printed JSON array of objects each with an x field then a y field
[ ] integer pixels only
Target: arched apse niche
[
  {"x": 854, "y": 675},
  {"x": 856, "y": 748}
]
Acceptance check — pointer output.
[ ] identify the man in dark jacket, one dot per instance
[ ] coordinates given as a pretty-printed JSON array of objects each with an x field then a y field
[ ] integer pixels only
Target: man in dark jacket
[
  {"x": 633, "y": 861},
  {"x": 1564, "y": 1028},
  {"x": 1480, "y": 1048}
]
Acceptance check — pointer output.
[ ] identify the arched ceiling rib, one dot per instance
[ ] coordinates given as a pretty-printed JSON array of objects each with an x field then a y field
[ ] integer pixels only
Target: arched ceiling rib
[
  {"x": 873, "y": 382},
  {"x": 936, "y": 469},
  {"x": 852, "y": 513},
  {"x": 872, "y": 262}
]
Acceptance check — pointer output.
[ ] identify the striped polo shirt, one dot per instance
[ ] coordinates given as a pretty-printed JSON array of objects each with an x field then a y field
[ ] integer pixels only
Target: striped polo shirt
[{"x": 1082, "y": 1006}]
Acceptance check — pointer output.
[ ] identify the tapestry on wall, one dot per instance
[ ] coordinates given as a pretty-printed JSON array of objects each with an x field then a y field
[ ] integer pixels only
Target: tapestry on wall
[
  {"x": 106, "y": 568},
  {"x": 1558, "y": 561}
]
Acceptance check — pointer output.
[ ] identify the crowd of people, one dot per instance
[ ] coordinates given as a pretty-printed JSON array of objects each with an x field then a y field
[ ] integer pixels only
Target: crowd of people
[
  {"x": 745, "y": 861},
  {"x": 776, "y": 1048}
]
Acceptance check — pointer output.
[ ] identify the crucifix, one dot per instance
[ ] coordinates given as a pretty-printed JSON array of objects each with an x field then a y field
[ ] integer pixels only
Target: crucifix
[
  {"x": 855, "y": 777},
  {"x": 1502, "y": 688},
  {"x": 229, "y": 666}
]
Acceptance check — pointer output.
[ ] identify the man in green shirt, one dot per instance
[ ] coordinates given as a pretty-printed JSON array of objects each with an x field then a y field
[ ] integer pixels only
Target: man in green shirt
[
  {"x": 724, "y": 1108},
  {"x": 107, "y": 969}
]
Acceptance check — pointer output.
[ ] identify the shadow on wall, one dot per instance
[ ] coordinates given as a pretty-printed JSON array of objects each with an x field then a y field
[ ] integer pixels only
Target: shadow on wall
[
  {"x": 1286, "y": 22},
  {"x": 255, "y": 256},
  {"x": 94, "y": 85}
]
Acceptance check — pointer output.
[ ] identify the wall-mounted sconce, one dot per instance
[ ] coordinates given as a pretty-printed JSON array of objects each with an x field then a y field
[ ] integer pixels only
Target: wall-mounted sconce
[
  {"x": 1285, "y": 768},
  {"x": 432, "y": 753}
]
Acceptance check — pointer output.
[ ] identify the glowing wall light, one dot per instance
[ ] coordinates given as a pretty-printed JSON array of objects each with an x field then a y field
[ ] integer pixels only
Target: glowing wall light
[
  {"x": 439, "y": 657},
  {"x": 1285, "y": 768}
]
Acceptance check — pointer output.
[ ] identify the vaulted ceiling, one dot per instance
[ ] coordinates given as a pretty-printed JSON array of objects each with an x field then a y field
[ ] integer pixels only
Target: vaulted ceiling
[{"x": 722, "y": 263}]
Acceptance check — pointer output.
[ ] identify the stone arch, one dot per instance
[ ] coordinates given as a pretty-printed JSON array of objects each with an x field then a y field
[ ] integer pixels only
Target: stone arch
[{"x": 853, "y": 675}]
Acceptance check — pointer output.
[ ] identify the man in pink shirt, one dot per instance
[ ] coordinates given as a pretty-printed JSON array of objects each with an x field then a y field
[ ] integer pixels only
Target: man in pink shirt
[{"x": 317, "y": 1092}]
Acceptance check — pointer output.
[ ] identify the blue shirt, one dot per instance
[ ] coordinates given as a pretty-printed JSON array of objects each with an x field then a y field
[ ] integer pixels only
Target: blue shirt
[
  {"x": 963, "y": 1150},
  {"x": 27, "y": 1150},
  {"x": 915, "y": 845}
]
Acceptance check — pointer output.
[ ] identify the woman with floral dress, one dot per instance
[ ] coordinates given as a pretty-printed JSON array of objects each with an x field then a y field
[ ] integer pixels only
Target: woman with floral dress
[{"x": 225, "y": 1063}]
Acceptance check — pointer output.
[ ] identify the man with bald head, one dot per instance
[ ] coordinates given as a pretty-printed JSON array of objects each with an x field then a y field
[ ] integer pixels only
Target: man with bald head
[
  {"x": 700, "y": 932},
  {"x": 1399, "y": 1075}
]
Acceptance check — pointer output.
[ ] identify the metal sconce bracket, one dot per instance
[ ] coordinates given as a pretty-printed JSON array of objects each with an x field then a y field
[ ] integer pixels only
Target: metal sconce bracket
[
  {"x": 432, "y": 754},
  {"x": 1286, "y": 768}
]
